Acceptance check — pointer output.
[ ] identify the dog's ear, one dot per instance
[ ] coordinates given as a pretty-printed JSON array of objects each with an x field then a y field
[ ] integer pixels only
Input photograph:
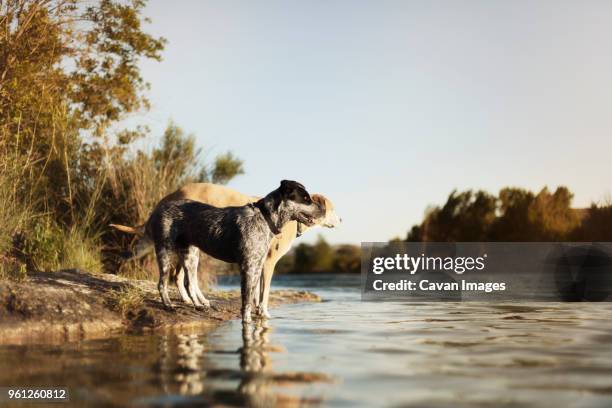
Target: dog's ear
[
  {"x": 321, "y": 202},
  {"x": 287, "y": 186},
  {"x": 290, "y": 189},
  {"x": 319, "y": 199},
  {"x": 284, "y": 187},
  {"x": 294, "y": 191}
]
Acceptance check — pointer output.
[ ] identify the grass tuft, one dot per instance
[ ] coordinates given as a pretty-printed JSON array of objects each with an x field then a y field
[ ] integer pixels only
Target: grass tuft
[
  {"x": 128, "y": 298},
  {"x": 12, "y": 269}
]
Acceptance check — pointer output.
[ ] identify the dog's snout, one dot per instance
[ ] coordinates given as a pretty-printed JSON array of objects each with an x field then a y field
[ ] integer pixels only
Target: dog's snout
[{"x": 332, "y": 221}]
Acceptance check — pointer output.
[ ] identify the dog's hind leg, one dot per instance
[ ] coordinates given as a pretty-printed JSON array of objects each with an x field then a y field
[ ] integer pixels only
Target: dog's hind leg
[
  {"x": 199, "y": 293},
  {"x": 191, "y": 265},
  {"x": 182, "y": 277},
  {"x": 180, "y": 283},
  {"x": 165, "y": 267},
  {"x": 193, "y": 277}
]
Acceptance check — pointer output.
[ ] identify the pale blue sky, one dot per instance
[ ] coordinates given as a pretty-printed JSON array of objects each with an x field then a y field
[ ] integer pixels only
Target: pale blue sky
[{"x": 386, "y": 106}]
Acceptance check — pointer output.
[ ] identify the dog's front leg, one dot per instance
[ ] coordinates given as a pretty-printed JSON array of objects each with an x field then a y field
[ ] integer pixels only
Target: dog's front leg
[
  {"x": 249, "y": 278},
  {"x": 191, "y": 264},
  {"x": 256, "y": 293}
]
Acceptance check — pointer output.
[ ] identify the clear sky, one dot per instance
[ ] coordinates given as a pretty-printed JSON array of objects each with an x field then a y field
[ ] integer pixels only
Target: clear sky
[{"x": 386, "y": 106}]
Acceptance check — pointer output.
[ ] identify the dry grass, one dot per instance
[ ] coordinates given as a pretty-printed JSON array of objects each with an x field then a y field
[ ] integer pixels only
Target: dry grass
[
  {"x": 15, "y": 213},
  {"x": 145, "y": 269},
  {"x": 127, "y": 298},
  {"x": 81, "y": 252},
  {"x": 57, "y": 216},
  {"x": 30, "y": 239},
  {"x": 12, "y": 269},
  {"x": 15, "y": 209}
]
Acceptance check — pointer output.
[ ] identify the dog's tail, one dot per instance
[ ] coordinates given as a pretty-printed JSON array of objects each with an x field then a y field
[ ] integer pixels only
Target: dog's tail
[
  {"x": 143, "y": 245},
  {"x": 139, "y": 230}
]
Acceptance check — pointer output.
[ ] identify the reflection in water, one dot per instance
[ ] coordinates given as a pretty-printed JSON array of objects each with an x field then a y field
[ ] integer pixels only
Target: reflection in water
[
  {"x": 259, "y": 384},
  {"x": 378, "y": 354},
  {"x": 194, "y": 372},
  {"x": 253, "y": 356},
  {"x": 255, "y": 363},
  {"x": 181, "y": 363}
]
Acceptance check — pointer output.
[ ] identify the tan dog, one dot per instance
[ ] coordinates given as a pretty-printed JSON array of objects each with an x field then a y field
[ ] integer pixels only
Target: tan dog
[{"x": 221, "y": 196}]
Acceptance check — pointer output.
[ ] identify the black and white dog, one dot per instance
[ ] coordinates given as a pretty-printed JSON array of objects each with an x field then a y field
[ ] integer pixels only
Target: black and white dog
[{"x": 238, "y": 235}]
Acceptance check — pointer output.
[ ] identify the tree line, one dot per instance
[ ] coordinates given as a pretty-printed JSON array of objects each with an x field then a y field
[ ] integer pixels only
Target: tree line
[
  {"x": 321, "y": 257},
  {"x": 515, "y": 214}
]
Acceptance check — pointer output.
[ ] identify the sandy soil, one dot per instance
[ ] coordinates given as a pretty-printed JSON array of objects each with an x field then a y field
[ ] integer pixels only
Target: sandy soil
[{"x": 69, "y": 305}]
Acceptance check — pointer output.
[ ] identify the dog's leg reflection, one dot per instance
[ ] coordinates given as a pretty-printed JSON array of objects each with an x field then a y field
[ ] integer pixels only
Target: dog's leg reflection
[
  {"x": 256, "y": 364},
  {"x": 181, "y": 364}
]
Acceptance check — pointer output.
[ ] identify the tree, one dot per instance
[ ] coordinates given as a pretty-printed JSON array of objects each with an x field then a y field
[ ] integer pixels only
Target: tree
[
  {"x": 313, "y": 258},
  {"x": 525, "y": 216},
  {"x": 552, "y": 216},
  {"x": 512, "y": 224},
  {"x": 227, "y": 166},
  {"x": 68, "y": 72},
  {"x": 596, "y": 224},
  {"x": 347, "y": 258},
  {"x": 465, "y": 216}
]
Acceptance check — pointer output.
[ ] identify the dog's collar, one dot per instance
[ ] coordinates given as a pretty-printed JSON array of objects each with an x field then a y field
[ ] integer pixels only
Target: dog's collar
[{"x": 267, "y": 216}]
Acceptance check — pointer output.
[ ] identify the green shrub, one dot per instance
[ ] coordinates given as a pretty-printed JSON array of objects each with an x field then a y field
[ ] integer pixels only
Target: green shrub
[{"x": 49, "y": 247}]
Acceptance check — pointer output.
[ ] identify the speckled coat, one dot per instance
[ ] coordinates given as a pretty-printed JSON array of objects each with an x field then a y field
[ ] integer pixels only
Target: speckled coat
[{"x": 238, "y": 235}]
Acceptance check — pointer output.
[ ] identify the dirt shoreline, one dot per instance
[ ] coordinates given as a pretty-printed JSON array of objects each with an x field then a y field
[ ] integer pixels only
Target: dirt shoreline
[{"x": 69, "y": 305}]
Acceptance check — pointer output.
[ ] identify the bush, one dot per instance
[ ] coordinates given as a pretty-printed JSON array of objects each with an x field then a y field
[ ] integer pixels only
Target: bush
[{"x": 48, "y": 247}]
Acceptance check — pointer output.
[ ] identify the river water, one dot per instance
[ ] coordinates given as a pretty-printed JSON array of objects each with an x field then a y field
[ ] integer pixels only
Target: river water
[{"x": 344, "y": 352}]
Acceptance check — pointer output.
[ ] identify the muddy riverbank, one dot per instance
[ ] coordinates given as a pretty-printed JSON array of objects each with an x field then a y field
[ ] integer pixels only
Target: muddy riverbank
[{"x": 55, "y": 307}]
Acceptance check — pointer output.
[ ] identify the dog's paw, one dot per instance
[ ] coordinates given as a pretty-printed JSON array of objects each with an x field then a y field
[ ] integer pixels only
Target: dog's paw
[{"x": 263, "y": 312}]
